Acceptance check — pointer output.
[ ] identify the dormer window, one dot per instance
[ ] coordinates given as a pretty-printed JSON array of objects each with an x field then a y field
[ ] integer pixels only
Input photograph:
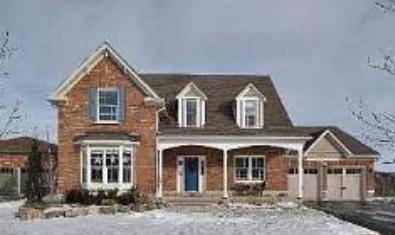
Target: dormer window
[
  {"x": 191, "y": 107},
  {"x": 250, "y": 108},
  {"x": 251, "y": 113}
]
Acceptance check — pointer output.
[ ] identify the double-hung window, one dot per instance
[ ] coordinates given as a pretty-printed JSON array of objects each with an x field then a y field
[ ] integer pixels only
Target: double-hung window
[
  {"x": 96, "y": 160},
  {"x": 108, "y": 105},
  {"x": 249, "y": 168},
  {"x": 191, "y": 112},
  {"x": 112, "y": 165},
  {"x": 251, "y": 113}
]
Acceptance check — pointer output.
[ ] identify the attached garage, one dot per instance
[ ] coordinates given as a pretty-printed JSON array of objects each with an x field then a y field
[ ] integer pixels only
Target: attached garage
[{"x": 337, "y": 167}]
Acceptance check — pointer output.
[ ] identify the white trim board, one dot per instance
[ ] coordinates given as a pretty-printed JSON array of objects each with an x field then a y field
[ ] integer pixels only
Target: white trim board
[{"x": 90, "y": 62}]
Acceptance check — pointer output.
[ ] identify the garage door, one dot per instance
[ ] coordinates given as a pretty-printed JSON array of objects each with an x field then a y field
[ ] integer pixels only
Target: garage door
[
  {"x": 310, "y": 188},
  {"x": 344, "y": 183}
]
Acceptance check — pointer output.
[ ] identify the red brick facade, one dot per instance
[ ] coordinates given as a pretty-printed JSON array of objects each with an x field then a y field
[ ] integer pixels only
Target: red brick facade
[
  {"x": 276, "y": 166},
  {"x": 73, "y": 120}
]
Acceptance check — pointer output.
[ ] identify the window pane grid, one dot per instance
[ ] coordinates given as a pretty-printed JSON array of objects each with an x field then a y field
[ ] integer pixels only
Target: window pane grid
[
  {"x": 106, "y": 165},
  {"x": 108, "y": 106},
  {"x": 249, "y": 169},
  {"x": 251, "y": 113},
  {"x": 191, "y": 112}
]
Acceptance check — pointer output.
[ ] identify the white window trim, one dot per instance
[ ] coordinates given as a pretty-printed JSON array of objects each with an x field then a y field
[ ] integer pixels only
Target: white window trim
[
  {"x": 98, "y": 121},
  {"x": 104, "y": 184},
  {"x": 249, "y": 173},
  {"x": 240, "y": 106},
  {"x": 201, "y": 105}
]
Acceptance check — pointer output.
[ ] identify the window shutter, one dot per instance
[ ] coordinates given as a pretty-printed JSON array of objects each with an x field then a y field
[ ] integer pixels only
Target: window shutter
[
  {"x": 122, "y": 104},
  {"x": 92, "y": 103}
]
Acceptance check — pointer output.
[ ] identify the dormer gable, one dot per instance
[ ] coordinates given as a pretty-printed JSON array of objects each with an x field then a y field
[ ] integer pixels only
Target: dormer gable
[
  {"x": 250, "y": 107},
  {"x": 191, "y": 106}
]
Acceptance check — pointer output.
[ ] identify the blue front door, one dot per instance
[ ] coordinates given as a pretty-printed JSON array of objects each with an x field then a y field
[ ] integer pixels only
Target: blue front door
[{"x": 191, "y": 169}]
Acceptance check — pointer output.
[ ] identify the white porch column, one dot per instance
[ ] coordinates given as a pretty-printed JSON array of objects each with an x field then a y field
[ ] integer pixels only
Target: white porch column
[
  {"x": 18, "y": 181},
  {"x": 300, "y": 174},
  {"x": 88, "y": 166},
  {"x": 225, "y": 173},
  {"x": 120, "y": 165},
  {"x": 159, "y": 194}
]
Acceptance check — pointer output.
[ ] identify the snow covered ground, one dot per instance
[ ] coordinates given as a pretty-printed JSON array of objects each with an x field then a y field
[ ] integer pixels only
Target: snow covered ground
[{"x": 215, "y": 220}]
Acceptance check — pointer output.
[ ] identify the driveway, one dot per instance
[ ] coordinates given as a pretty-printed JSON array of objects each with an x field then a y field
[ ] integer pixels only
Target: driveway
[{"x": 375, "y": 215}]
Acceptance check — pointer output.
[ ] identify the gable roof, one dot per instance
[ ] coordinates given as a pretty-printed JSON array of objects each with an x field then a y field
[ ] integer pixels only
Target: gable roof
[
  {"x": 191, "y": 87},
  {"x": 104, "y": 50},
  {"x": 247, "y": 91},
  {"x": 329, "y": 133},
  {"x": 23, "y": 145},
  {"x": 355, "y": 146},
  {"x": 221, "y": 92}
]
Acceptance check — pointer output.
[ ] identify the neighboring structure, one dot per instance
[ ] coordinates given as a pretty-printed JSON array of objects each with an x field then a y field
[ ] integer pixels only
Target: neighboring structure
[
  {"x": 181, "y": 134},
  {"x": 385, "y": 179},
  {"x": 13, "y": 162}
]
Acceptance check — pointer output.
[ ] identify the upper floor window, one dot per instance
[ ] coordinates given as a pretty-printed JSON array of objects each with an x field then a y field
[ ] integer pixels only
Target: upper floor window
[
  {"x": 250, "y": 108},
  {"x": 251, "y": 113},
  {"x": 191, "y": 107},
  {"x": 191, "y": 112},
  {"x": 108, "y": 104}
]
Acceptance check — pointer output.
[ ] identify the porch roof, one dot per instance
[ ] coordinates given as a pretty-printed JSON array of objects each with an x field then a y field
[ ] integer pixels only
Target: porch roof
[{"x": 107, "y": 136}]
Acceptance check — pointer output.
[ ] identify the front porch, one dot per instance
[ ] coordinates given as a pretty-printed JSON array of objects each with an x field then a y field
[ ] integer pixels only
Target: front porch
[{"x": 219, "y": 170}]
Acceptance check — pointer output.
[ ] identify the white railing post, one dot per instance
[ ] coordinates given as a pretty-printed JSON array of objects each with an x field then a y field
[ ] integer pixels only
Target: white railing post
[
  {"x": 88, "y": 166},
  {"x": 225, "y": 173},
  {"x": 120, "y": 165}
]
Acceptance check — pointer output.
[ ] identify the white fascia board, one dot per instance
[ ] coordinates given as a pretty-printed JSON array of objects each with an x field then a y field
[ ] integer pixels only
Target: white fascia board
[
  {"x": 325, "y": 133},
  {"x": 104, "y": 50},
  {"x": 197, "y": 137},
  {"x": 187, "y": 88}
]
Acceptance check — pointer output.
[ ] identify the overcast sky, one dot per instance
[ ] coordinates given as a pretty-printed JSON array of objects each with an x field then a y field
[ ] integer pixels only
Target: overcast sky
[{"x": 315, "y": 51}]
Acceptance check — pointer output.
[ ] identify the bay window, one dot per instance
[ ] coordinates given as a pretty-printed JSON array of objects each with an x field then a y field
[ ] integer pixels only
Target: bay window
[
  {"x": 106, "y": 167},
  {"x": 249, "y": 168}
]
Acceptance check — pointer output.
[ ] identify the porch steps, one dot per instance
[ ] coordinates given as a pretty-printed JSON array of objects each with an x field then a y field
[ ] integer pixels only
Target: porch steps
[{"x": 192, "y": 201}]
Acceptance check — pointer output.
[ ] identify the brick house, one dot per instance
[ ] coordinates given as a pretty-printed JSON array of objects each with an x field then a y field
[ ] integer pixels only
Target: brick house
[
  {"x": 14, "y": 159},
  {"x": 183, "y": 134}
]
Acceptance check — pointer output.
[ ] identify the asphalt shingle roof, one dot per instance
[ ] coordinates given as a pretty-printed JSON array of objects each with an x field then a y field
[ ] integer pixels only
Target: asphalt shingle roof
[{"x": 221, "y": 91}]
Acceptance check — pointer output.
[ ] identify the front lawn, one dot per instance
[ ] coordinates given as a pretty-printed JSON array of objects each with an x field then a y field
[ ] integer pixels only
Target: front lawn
[{"x": 216, "y": 220}]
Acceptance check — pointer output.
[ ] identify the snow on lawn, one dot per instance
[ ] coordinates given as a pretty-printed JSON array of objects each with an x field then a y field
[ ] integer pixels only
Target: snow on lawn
[{"x": 214, "y": 220}]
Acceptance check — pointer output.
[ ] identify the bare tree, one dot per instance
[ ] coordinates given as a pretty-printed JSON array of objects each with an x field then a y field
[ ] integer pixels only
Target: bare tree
[
  {"x": 378, "y": 125},
  {"x": 10, "y": 115}
]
